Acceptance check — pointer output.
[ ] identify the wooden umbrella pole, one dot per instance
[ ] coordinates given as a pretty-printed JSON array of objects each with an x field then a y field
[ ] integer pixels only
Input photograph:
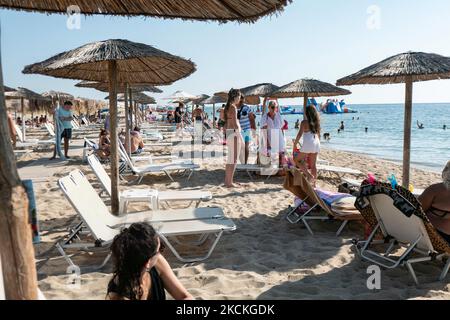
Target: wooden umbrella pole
[
  {"x": 214, "y": 115},
  {"x": 131, "y": 110},
  {"x": 305, "y": 104},
  {"x": 22, "y": 105},
  {"x": 407, "y": 132},
  {"x": 112, "y": 71},
  {"x": 16, "y": 247},
  {"x": 127, "y": 122}
]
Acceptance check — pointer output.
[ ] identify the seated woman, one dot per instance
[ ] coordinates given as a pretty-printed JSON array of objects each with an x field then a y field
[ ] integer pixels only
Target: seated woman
[
  {"x": 104, "y": 145},
  {"x": 435, "y": 202},
  {"x": 140, "y": 271}
]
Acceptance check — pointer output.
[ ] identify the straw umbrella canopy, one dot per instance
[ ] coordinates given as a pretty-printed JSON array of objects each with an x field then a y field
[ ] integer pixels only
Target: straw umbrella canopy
[
  {"x": 405, "y": 68},
  {"x": 104, "y": 86},
  {"x": 21, "y": 276},
  {"x": 308, "y": 88},
  {"x": 223, "y": 11},
  {"x": 23, "y": 94},
  {"x": 6, "y": 89},
  {"x": 199, "y": 99},
  {"x": 115, "y": 61},
  {"x": 255, "y": 92}
]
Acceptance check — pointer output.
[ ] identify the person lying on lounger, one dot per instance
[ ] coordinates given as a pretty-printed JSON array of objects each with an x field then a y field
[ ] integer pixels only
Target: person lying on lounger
[
  {"x": 435, "y": 202},
  {"x": 140, "y": 271}
]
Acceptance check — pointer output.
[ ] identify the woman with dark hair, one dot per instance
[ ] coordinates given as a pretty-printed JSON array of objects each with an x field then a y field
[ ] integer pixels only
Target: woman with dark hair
[
  {"x": 140, "y": 271},
  {"x": 310, "y": 131},
  {"x": 233, "y": 135}
]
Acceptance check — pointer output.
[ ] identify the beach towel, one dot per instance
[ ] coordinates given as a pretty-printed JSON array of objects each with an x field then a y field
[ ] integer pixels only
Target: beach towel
[
  {"x": 33, "y": 219},
  {"x": 330, "y": 197}
]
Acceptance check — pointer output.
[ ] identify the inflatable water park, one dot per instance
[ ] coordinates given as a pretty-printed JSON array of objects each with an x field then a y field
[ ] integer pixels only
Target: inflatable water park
[{"x": 328, "y": 107}]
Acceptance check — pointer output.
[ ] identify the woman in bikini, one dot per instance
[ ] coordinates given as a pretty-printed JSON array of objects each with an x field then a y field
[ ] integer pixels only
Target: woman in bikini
[
  {"x": 140, "y": 271},
  {"x": 233, "y": 135},
  {"x": 435, "y": 202}
]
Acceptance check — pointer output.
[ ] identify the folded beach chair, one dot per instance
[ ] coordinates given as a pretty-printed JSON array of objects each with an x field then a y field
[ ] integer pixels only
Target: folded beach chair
[
  {"x": 102, "y": 226},
  {"x": 334, "y": 206},
  {"x": 167, "y": 168},
  {"x": 151, "y": 196},
  {"x": 337, "y": 171},
  {"x": 397, "y": 215}
]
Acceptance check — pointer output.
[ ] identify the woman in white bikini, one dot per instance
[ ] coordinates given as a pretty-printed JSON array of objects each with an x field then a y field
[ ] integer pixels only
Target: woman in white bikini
[{"x": 307, "y": 154}]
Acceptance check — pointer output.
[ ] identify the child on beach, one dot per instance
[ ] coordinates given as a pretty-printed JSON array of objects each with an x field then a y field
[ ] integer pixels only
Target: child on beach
[{"x": 140, "y": 271}]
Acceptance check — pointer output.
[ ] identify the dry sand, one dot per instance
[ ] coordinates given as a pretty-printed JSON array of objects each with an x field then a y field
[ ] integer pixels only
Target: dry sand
[{"x": 265, "y": 258}]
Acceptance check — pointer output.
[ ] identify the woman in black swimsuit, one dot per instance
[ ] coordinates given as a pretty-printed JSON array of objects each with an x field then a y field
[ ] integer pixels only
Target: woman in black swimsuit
[
  {"x": 140, "y": 271},
  {"x": 435, "y": 202}
]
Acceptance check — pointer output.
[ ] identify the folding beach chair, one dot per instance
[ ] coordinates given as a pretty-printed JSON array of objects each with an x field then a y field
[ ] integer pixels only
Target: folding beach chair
[
  {"x": 102, "y": 226},
  {"x": 340, "y": 209},
  {"x": 145, "y": 195},
  {"x": 166, "y": 168},
  {"x": 397, "y": 215},
  {"x": 148, "y": 157}
]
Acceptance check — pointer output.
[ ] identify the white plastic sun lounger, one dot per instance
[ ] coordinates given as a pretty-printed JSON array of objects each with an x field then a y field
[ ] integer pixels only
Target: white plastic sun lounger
[
  {"x": 166, "y": 168},
  {"x": 103, "y": 226},
  {"x": 399, "y": 230},
  {"x": 255, "y": 168},
  {"x": 148, "y": 157},
  {"x": 31, "y": 142},
  {"x": 151, "y": 196},
  {"x": 338, "y": 171}
]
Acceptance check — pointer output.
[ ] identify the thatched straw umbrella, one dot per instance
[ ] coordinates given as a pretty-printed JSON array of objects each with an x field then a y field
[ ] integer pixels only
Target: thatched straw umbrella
[
  {"x": 115, "y": 61},
  {"x": 308, "y": 88},
  {"x": 255, "y": 92},
  {"x": 6, "y": 89},
  {"x": 223, "y": 11},
  {"x": 405, "y": 68},
  {"x": 138, "y": 97},
  {"x": 20, "y": 277},
  {"x": 23, "y": 94},
  {"x": 104, "y": 86}
]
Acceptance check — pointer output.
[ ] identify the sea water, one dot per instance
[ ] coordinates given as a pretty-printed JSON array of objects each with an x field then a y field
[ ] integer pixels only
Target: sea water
[{"x": 430, "y": 147}]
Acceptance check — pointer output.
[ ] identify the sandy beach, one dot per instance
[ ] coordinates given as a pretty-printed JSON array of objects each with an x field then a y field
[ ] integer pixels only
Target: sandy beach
[{"x": 265, "y": 258}]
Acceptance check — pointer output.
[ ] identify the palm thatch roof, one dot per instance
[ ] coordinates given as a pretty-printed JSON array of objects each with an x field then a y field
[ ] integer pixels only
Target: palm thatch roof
[
  {"x": 58, "y": 94},
  {"x": 220, "y": 10},
  {"x": 309, "y": 87},
  {"x": 139, "y": 97},
  {"x": 104, "y": 86},
  {"x": 259, "y": 90},
  {"x": 6, "y": 89},
  {"x": 418, "y": 66},
  {"x": 136, "y": 63},
  {"x": 25, "y": 94},
  {"x": 214, "y": 99}
]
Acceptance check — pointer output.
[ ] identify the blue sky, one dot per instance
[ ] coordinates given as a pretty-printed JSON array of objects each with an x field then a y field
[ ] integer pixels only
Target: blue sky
[{"x": 322, "y": 39}]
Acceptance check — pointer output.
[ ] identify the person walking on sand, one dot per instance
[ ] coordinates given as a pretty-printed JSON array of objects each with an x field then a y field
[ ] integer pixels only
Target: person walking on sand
[
  {"x": 306, "y": 156},
  {"x": 233, "y": 134},
  {"x": 273, "y": 137},
  {"x": 179, "y": 112},
  {"x": 65, "y": 116}
]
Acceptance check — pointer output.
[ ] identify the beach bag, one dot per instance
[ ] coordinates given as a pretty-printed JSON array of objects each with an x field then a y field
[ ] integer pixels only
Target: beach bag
[{"x": 346, "y": 188}]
